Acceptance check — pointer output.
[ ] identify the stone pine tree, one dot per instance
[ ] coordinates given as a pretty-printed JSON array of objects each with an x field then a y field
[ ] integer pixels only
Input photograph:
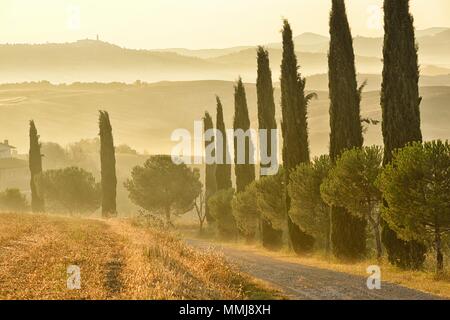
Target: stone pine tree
[
  {"x": 348, "y": 233},
  {"x": 210, "y": 169},
  {"x": 400, "y": 102},
  {"x": 295, "y": 129},
  {"x": 245, "y": 172},
  {"x": 35, "y": 164},
  {"x": 108, "y": 166},
  {"x": 271, "y": 238},
  {"x": 223, "y": 166}
]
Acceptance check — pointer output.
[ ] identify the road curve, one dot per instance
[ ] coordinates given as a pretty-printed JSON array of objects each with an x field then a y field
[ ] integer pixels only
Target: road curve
[{"x": 300, "y": 282}]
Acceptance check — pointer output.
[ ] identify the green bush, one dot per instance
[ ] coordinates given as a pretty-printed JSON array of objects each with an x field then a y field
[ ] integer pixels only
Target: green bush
[
  {"x": 351, "y": 184},
  {"x": 71, "y": 190},
  {"x": 245, "y": 212},
  {"x": 12, "y": 200},
  {"x": 416, "y": 187},
  {"x": 308, "y": 210},
  {"x": 271, "y": 200},
  {"x": 221, "y": 210}
]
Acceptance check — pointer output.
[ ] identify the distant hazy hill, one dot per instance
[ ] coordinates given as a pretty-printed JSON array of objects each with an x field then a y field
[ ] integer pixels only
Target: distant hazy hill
[
  {"x": 434, "y": 44},
  {"x": 320, "y": 81},
  {"x": 310, "y": 63},
  {"x": 90, "y": 61},
  {"x": 144, "y": 116},
  {"x": 203, "y": 53}
]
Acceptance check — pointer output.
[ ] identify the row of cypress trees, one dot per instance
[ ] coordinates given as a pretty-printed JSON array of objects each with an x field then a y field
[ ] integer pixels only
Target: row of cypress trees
[
  {"x": 294, "y": 128},
  {"x": 348, "y": 236},
  {"x": 400, "y": 104},
  {"x": 107, "y": 161},
  {"x": 401, "y": 122}
]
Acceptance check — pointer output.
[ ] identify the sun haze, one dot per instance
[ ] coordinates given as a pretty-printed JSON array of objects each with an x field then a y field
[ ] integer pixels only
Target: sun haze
[{"x": 190, "y": 24}]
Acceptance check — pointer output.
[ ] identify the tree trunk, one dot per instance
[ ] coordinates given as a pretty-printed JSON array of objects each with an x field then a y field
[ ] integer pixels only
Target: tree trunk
[
  {"x": 376, "y": 229},
  {"x": 439, "y": 255},
  {"x": 168, "y": 216},
  {"x": 328, "y": 234},
  {"x": 201, "y": 226}
]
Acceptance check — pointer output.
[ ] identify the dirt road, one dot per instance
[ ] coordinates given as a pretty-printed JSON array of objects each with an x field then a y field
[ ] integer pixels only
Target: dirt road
[{"x": 302, "y": 282}]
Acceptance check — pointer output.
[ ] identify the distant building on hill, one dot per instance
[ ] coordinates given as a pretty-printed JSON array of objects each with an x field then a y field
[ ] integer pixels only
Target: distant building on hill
[
  {"x": 14, "y": 172},
  {"x": 6, "y": 150}
]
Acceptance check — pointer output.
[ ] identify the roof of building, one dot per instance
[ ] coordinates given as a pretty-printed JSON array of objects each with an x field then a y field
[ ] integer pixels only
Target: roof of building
[
  {"x": 12, "y": 163},
  {"x": 6, "y": 145}
]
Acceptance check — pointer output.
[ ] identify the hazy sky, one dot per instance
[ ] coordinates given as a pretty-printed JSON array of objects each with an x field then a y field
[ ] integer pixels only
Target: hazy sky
[{"x": 191, "y": 23}]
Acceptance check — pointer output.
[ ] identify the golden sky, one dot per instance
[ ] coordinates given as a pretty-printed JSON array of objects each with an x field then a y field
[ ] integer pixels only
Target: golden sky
[{"x": 191, "y": 23}]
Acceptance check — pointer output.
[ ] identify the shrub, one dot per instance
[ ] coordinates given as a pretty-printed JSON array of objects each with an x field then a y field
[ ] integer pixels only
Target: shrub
[
  {"x": 12, "y": 200},
  {"x": 351, "y": 184},
  {"x": 271, "y": 200},
  {"x": 71, "y": 190},
  {"x": 308, "y": 210},
  {"x": 221, "y": 210},
  {"x": 245, "y": 212},
  {"x": 416, "y": 187}
]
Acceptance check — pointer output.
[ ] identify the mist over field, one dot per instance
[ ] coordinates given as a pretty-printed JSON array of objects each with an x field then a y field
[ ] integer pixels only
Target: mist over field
[
  {"x": 145, "y": 115},
  {"x": 94, "y": 205},
  {"x": 170, "y": 88}
]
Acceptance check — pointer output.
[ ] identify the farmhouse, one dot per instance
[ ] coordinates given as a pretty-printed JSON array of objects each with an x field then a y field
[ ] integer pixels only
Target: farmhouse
[{"x": 14, "y": 171}]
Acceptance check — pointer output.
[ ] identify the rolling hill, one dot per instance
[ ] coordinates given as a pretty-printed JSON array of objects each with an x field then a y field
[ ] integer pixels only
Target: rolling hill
[
  {"x": 434, "y": 46},
  {"x": 319, "y": 82},
  {"x": 145, "y": 115},
  {"x": 97, "y": 61}
]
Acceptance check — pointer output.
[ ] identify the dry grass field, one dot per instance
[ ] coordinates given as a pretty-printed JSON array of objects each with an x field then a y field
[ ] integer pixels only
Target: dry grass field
[{"x": 118, "y": 259}]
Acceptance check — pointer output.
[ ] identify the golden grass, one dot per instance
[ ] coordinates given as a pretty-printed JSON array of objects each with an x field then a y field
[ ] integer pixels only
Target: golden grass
[{"x": 118, "y": 260}]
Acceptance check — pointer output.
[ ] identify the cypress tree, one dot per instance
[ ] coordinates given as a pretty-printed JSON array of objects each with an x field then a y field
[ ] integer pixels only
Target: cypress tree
[
  {"x": 400, "y": 103},
  {"x": 348, "y": 234},
  {"x": 245, "y": 173},
  {"x": 271, "y": 238},
  {"x": 108, "y": 166},
  {"x": 35, "y": 164},
  {"x": 223, "y": 169},
  {"x": 295, "y": 129},
  {"x": 210, "y": 170}
]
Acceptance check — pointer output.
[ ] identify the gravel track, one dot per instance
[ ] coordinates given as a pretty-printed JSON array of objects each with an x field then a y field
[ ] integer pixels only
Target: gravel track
[{"x": 300, "y": 282}]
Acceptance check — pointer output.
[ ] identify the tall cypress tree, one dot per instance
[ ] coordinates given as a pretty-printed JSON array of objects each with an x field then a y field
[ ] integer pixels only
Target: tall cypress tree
[
  {"x": 294, "y": 127},
  {"x": 400, "y": 102},
  {"x": 35, "y": 164},
  {"x": 108, "y": 166},
  {"x": 348, "y": 234},
  {"x": 245, "y": 173},
  {"x": 210, "y": 170},
  {"x": 223, "y": 169},
  {"x": 271, "y": 238}
]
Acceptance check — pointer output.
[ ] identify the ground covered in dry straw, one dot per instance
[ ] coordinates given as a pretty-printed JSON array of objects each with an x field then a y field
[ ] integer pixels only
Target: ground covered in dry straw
[{"x": 119, "y": 259}]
